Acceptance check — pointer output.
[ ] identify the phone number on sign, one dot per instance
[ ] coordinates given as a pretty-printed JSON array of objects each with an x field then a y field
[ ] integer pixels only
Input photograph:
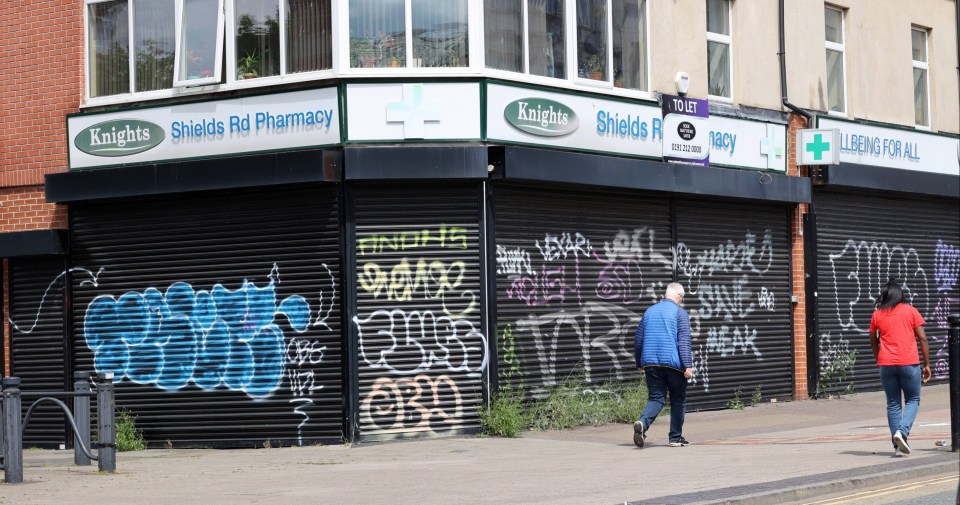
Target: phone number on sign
[{"x": 686, "y": 148}]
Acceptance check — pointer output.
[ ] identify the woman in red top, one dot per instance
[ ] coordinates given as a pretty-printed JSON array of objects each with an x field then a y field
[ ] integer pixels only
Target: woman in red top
[{"x": 895, "y": 330}]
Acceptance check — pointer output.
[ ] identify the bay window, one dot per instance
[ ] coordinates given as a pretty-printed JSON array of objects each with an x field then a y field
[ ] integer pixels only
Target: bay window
[
  {"x": 529, "y": 36},
  {"x": 408, "y": 33},
  {"x": 137, "y": 46}
]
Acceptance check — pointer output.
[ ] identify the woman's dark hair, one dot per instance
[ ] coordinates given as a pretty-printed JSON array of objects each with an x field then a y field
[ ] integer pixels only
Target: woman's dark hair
[{"x": 891, "y": 295}]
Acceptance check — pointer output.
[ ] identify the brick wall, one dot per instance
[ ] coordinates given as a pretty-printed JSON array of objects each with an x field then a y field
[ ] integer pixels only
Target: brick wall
[
  {"x": 799, "y": 281},
  {"x": 41, "y": 81}
]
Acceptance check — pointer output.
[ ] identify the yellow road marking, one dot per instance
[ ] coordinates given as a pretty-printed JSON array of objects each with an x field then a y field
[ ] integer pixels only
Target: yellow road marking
[{"x": 882, "y": 492}]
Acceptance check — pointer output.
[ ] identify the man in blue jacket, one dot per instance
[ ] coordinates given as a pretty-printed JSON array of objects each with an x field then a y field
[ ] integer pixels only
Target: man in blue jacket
[{"x": 662, "y": 350}]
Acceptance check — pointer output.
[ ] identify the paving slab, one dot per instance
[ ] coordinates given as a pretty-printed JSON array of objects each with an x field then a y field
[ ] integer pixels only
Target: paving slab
[{"x": 735, "y": 454}]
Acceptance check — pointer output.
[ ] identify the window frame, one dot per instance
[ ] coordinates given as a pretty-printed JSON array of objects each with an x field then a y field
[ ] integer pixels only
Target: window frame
[
  {"x": 178, "y": 80},
  {"x": 225, "y": 78},
  {"x": 841, "y": 48},
  {"x": 925, "y": 67},
  {"x": 572, "y": 80},
  {"x": 341, "y": 49},
  {"x": 726, "y": 39}
]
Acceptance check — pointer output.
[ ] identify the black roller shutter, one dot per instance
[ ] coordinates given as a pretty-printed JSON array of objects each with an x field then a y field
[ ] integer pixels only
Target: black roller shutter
[
  {"x": 421, "y": 342},
  {"x": 734, "y": 262},
  {"x": 38, "y": 344},
  {"x": 218, "y": 312},
  {"x": 575, "y": 270},
  {"x": 862, "y": 241}
]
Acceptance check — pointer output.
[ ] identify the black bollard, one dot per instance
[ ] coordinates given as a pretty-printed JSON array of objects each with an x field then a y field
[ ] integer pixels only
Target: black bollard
[
  {"x": 13, "y": 438},
  {"x": 953, "y": 354},
  {"x": 81, "y": 414},
  {"x": 106, "y": 430}
]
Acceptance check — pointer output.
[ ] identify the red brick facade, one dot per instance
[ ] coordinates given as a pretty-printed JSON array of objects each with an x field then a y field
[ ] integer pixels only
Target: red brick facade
[
  {"x": 41, "y": 81},
  {"x": 798, "y": 122}
]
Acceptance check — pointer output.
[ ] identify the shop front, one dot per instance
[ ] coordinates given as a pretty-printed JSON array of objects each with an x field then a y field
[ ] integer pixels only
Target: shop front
[{"x": 888, "y": 210}]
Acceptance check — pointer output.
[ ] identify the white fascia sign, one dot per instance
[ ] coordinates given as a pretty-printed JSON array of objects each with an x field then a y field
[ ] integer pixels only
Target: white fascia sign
[
  {"x": 379, "y": 112},
  {"x": 748, "y": 144},
  {"x": 818, "y": 147},
  {"x": 895, "y": 147},
  {"x": 527, "y": 116},
  {"x": 281, "y": 121}
]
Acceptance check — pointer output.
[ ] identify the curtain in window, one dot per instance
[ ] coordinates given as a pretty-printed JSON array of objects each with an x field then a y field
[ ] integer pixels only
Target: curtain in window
[
  {"x": 109, "y": 57},
  {"x": 545, "y": 35},
  {"x": 440, "y": 33},
  {"x": 835, "y": 81},
  {"x": 503, "y": 28},
  {"x": 258, "y": 38},
  {"x": 308, "y": 35},
  {"x": 629, "y": 44},
  {"x": 153, "y": 43},
  {"x": 592, "y": 38},
  {"x": 377, "y": 33},
  {"x": 718, "y": 67},
  {"x": 920, "y": 96}
]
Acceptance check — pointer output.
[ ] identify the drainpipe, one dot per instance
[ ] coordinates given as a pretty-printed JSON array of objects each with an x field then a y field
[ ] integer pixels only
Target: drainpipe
[{"x": 783, "y": 74}]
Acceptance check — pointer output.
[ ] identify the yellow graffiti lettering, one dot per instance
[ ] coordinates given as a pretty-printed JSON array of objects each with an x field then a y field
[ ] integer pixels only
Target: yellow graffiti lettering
[{"x": 434, "y": 281}]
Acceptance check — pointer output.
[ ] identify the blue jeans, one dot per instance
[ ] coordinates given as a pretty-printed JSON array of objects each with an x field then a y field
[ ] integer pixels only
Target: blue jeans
[
  {"x": 903, "y": 379},
  {"x": 660, "y": 382}
]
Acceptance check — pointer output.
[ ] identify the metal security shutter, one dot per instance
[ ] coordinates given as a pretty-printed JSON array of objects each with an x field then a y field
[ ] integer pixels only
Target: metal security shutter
[
  {"x": 218, "y": 312},
  {"x": 38, "y": 344},
  {"x": 575, "y": 271},
  {"x": 862, "y": 241},
  {"x": 734, "y": 263},
  {"x": 422, "y": 347}
]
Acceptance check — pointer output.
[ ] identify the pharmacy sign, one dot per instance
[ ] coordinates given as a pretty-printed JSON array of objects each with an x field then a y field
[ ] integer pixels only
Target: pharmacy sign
[{"x": 818, "y": 147}]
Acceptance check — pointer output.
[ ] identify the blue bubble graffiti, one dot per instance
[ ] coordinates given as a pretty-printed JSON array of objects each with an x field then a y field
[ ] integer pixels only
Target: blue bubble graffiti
[{"x": 216, "y": 338}]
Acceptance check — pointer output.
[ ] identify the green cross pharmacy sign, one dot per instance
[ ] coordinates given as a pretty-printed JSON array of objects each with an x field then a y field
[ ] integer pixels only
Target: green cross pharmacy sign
[{"x": 818, "y": 147}]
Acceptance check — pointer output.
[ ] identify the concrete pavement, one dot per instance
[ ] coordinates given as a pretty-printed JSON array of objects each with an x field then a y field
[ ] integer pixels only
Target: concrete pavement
[{"x": 771, "y": 453}]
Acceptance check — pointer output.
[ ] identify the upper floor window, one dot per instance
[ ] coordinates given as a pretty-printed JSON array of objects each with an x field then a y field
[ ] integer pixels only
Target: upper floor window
[
  {"x": 836, "y": 91},
  {"x": 921, "y": 84},
  {"x": 119, "y": 63},
  {"x": 199, "y": 48},
  {"x": 303, "y": 26},
  {"x": 408, "y": 33},
  {"x": 719, "y": 40},
  {"x": 530, "y": 36},
  {"x": 136, "y": 46}
]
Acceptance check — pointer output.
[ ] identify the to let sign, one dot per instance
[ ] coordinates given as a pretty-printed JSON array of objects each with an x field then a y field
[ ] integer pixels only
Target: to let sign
[
  {"x": 686, "y": 130},
  {"x": 818, "y": 147}
]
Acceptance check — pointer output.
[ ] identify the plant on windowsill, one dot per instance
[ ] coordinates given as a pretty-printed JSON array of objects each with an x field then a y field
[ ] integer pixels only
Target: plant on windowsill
[
  {"x": 595, "y": 66},
  {"x": 247, "y": 66}
]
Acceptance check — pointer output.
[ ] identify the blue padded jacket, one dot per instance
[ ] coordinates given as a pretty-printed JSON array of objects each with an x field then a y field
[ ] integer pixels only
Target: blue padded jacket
[{"x": 663, "y": 337}]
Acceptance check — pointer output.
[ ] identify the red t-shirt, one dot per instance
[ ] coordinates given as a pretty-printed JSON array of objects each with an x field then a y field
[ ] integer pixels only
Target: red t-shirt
[{"x": 898, "y": 343}]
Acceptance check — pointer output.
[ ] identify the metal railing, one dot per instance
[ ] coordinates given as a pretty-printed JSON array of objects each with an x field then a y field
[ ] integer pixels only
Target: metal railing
[{"x": 12, "y": 429}]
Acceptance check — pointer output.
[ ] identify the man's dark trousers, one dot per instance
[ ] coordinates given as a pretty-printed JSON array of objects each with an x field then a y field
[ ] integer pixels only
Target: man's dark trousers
[{"x": 660, "y": 381}]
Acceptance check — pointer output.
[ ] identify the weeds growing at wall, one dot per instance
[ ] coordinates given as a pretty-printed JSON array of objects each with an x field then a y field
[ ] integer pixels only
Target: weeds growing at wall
[
  {"x": 834, "y": 374},
  {"x": 569, "y": 405},
  {"x": 129, "y": 437},
  {"x": 506, "y": 416},
  {"x": 735, "y": 403}
]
